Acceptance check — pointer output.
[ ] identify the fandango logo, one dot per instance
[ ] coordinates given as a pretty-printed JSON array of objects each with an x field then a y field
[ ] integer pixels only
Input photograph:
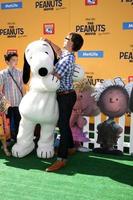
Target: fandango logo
[
  {"x": 11, "y": 5},
  {"x": 126, "y": 56},
  {"x": 130, "y": 79},
  {"x": 11, "y": 32},
  {"x": 90, "y": 28},
  {"x": 90, "y": 2},
  {"x": 48, "y": 5}
]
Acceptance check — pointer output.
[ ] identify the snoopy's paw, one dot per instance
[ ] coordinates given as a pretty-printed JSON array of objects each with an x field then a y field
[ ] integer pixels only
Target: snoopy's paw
[
  {"x": 45, "y": 152},
  {"x": 20, "y": 151}
]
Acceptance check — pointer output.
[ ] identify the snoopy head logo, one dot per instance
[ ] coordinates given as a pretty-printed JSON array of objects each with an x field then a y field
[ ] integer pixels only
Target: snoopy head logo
[{"x": 39, "y": 58}]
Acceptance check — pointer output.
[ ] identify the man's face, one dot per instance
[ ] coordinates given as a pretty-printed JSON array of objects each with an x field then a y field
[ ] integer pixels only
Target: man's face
[
  {"x": 68, "y": 43},
  {"x": 13, "y": 61}
]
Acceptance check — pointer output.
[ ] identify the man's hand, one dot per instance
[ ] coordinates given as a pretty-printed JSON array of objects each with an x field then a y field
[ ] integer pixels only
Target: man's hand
[
  {"x": 45, "y": 39},
  {"x": 52, "y": 83},
  {"x": 57, "y": 75}
]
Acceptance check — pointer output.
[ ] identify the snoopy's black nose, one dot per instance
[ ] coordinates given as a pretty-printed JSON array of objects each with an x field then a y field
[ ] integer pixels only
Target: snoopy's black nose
[{"x": 43, "y": 71}]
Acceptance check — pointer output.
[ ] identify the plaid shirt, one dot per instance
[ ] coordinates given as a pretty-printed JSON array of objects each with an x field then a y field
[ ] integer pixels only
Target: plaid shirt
[
  {"x": 10, "y": 89},
  {"x": 65, "y": 68}
]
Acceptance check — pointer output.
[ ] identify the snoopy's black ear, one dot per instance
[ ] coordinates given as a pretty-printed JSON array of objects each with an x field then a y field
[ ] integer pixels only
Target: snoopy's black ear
[
  {"x": 55, "y": 56},
  {"x": 131, "y": 101},
  {"x": 26, "y": 71}
]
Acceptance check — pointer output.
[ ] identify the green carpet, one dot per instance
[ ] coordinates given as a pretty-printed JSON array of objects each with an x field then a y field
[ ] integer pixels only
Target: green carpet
[{"x": 87, "y": 177}]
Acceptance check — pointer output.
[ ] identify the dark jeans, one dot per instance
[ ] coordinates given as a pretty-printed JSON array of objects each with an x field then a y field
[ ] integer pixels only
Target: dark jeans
[
  {"x": 14, "y": 116},
  {"x": 66, "y": 103}
]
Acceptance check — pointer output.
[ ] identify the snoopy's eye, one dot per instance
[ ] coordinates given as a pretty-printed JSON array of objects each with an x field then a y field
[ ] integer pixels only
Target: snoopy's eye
[
  {"x": 46, "y": 52},
  {"x": 31, "y": 57},
  {"x": 27, "y": 50}
]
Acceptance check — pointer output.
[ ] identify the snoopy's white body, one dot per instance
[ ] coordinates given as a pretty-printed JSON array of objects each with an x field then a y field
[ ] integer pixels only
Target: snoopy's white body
[
  {"x": 42, "y": 111},
  {"x": 39, "y": 105}
]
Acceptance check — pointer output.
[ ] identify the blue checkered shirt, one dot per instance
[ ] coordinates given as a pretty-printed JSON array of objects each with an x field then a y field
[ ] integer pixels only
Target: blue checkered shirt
[{"x": 65, "y": 68}]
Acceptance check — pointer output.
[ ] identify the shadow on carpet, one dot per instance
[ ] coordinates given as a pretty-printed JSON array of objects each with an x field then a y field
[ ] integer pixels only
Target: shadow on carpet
[{"x": 117, "y": 168}]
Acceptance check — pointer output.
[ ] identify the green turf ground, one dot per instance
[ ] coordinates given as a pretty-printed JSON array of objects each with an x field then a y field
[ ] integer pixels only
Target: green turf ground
[{"x": 87, "y": 177}]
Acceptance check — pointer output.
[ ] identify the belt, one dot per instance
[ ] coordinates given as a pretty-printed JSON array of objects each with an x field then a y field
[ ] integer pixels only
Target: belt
[{"x": 65, "y": 92}]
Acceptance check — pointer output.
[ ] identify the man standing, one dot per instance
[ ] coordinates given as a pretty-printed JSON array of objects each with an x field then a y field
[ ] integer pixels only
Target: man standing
[
  {"x": 11, "y": 86},
  {"x": 66, "y": 96}
]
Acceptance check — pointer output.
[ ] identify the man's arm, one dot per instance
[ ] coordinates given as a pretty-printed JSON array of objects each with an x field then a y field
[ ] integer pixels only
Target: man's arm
[
  {"x": 56, "y": 48},
  {"x": 62, "y": 67}
]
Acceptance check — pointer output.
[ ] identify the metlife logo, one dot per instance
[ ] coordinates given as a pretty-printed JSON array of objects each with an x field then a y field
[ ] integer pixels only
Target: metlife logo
[
  {"x": 127, "y": 25},
  {"x": 11, "y": 5},
  {"x": 90, "y": 54}
]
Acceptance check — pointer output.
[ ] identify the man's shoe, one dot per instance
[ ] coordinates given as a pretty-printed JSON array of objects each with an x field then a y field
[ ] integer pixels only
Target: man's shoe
[{"x": 56, "y": 166}]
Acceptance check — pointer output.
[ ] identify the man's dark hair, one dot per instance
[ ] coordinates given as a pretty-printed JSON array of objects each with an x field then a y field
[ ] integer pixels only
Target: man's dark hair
[
  {"x": 77, "y": 40},
  {"x": 8, "y": 56}
]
